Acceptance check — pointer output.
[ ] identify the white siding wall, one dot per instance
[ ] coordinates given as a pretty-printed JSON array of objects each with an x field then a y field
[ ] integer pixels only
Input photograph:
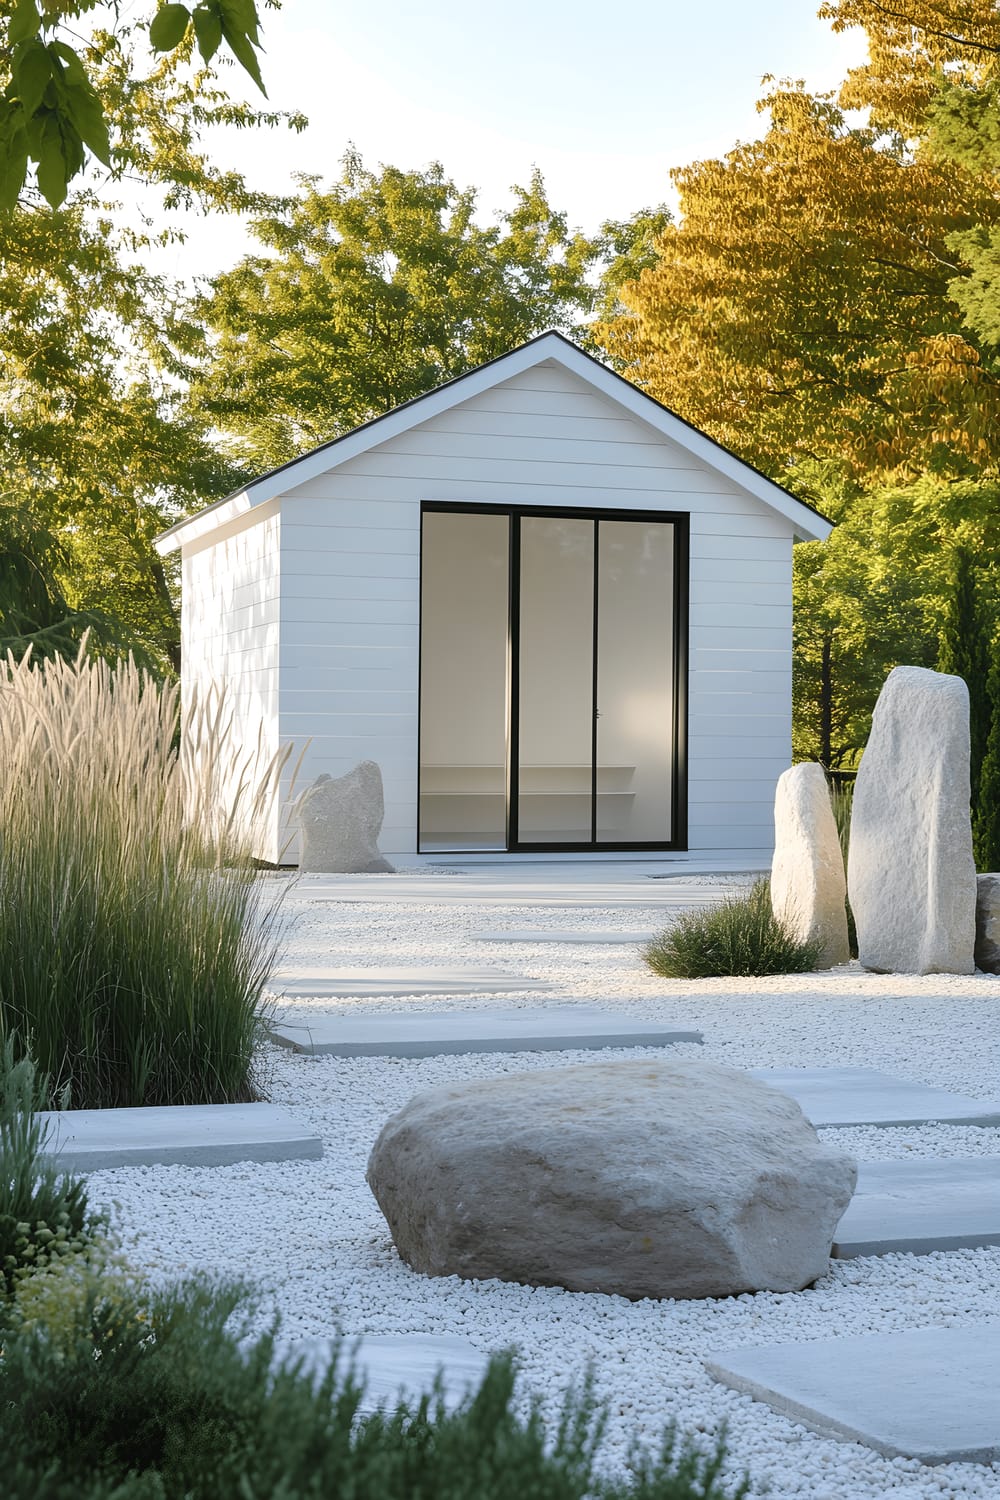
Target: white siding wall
[
  {"x": 229, "y": 630},
  {"x": 349, "y": 598}
]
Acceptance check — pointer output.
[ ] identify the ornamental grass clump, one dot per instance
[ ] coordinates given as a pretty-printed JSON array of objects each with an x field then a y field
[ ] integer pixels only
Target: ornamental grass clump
[
  {"x": 135, "y": 939},
  {"x": 159, "y": 1394},
  {"x": 740, "y": 936}
]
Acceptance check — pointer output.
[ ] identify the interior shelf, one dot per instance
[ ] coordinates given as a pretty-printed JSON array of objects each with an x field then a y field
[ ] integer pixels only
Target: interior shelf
[{"x": 564, "y": 780}]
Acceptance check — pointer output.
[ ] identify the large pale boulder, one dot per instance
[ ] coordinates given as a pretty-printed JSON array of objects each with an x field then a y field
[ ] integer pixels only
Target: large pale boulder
[
  {"x": 340, "y": 819},
  {"x": 666, "y": 1178},
  {"x": 808, "y": 883},
  {"x": 911, "y": 875},
  {"x": 988, "y": 923}
]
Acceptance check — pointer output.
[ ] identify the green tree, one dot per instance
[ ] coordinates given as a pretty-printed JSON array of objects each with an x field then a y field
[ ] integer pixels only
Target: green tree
[
  {"x": 857, "y": 614},
  {"x": 875, "y": 596},
  {"x": 988, "y": 822},
  {"x": 627, "y": 247},
  {"x": 34, "y": 610},
  {"x": 965, "y": 128},
  {"x": 53, "y": 107},
  {"x": 372, "y": 292},
  {"x": 94, "y": 347},
  {"x": 964, "y": 651}
]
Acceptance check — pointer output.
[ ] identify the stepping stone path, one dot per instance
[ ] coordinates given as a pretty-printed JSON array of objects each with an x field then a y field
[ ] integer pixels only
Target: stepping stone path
[
  {"x": 395, "y": 1365},
  {"x": 511, "y": 888},
  {"x": 922, "y": 1205},
  {"x": 405, "y": 980},
  {"x": 430, "y": 1034},
  {"x": 194, "y": 1135},
  {"x": 862, "y": 1096},
  {"x": 929, "y": 1394},
  {"x": 568, "y": 935}
]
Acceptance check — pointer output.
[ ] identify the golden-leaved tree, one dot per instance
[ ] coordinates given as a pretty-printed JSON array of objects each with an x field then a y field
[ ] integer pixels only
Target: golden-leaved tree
[{"x": 799, "y": 309}]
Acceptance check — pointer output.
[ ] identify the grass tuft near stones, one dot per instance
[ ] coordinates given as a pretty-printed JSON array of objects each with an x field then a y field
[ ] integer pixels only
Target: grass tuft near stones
[{"x": 739, "y": 937}]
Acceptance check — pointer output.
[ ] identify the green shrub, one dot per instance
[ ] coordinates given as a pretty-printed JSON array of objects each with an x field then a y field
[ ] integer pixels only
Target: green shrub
[
  {"x": 158, "y": 1395},
  {"x": 134, "y": 941},
  {"x": 739, "y": 936},
  {"x": 44, "y": 1215}
]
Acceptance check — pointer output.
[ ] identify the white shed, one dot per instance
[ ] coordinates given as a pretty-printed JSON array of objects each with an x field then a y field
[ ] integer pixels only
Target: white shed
[{"x": 556, "y": 615}]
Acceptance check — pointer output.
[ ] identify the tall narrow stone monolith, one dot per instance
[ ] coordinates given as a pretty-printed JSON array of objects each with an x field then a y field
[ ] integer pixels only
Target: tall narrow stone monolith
[
  {"x": 911, "y": 875},
  {"x": 808, "y": 884}
]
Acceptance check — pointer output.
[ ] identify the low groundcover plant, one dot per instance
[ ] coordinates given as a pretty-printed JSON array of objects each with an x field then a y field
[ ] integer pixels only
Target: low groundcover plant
[
  {"x": 740, "y": 936},
  {"x": 44, "y": 1213},
  {"x": 157, "y": 1393}
]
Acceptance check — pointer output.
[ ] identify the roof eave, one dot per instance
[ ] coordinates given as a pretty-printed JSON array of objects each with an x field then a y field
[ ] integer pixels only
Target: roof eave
[
  {"x": 193, "y": 528},
  {"x": 807, "y": 523}
]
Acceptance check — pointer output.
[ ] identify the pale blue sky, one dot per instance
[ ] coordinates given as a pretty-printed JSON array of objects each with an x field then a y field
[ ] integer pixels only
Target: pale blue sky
[{"x": 604, "y": 99}]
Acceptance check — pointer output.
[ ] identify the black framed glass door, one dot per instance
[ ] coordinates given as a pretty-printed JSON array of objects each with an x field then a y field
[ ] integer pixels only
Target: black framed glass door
[{"x": 552, "y": 679}]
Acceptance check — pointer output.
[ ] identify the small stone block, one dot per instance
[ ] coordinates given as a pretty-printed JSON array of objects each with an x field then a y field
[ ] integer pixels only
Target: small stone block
[
  {"x": 394, "y": 1366},
  {"x": 862, "y": 1096},
  {"x": 346, "y": 983},
  {"x": 433, "y": 1033},
  {"x": 988, "y": 923},
  {"x": 557, "y": 935},
  {"x": 918, "y": 1206},
  {"x": 929, "y": 1394},
  {"x": 194, "y": 1135}
]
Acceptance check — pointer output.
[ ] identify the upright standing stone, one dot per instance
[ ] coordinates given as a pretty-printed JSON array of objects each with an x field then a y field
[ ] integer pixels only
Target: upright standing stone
[
  {"x": 340, "y": 820},
  {"x": 808, "y": 884},
  {"x": 911, "y": 875}
]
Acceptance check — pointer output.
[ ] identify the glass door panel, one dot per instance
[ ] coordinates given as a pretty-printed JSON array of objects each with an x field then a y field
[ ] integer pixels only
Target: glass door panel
[
  {"x": 635, "y": 654},
  {"x": 464, "y": 595},
  {"x": 555, "y": 709}
]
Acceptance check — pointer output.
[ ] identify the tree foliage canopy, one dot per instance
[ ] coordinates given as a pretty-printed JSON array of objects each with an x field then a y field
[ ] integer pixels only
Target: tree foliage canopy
[
  {"x": 828, "y": 305},
  {"x": 800, "y": 309},
  {"x": 54, "y": 103},
  {"x": 912, "y": 46},
  {"x": 878, "y": 593},
  {"x": 94, "y": 346},
  {"x": 372, "y": 292}
]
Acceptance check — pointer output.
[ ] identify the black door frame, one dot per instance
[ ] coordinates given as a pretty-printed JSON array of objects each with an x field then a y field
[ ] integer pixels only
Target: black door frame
[{"x": 680, "y": 520}]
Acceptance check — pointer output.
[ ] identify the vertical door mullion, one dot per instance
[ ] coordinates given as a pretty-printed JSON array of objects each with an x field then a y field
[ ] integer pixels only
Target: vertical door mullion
[{"x": 513, "y": 678}]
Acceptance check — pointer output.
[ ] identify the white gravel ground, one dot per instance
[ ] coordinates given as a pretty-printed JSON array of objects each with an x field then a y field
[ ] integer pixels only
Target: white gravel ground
[{"x": 311, "y": 1234}]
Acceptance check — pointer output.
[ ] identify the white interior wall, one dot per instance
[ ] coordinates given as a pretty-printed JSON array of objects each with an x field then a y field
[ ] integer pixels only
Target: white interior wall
[
  {"x": 463, "y": 680},
  {"x": 349, "y": 597}
]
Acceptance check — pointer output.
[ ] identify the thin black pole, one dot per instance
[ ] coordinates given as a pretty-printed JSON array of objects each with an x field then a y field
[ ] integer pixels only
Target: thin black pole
[{"x": 513, "y": 677}]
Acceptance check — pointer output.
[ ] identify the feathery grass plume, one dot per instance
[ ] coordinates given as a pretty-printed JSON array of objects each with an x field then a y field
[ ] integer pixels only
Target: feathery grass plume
[
  {"x": 161, "y": 1394},
  {"x": 740, "y": 936},
  {"x": 135, "y": 936}
]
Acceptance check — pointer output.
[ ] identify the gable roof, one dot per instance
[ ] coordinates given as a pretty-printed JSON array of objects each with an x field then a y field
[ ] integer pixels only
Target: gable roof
[{"x": 807, "y": 522}]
